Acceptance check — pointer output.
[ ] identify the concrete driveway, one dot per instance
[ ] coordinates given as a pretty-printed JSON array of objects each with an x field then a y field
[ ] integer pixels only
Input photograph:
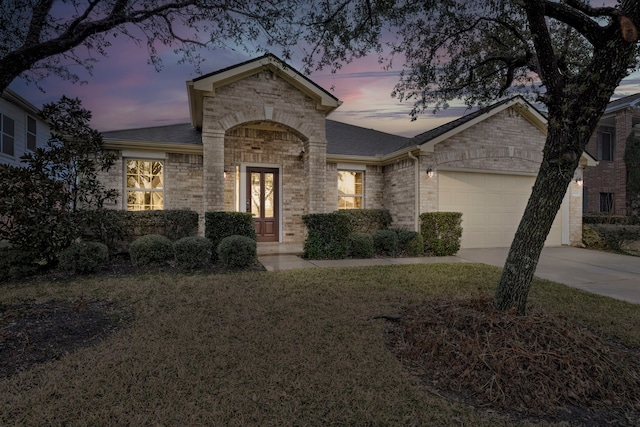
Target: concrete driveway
[{"x": 613, "y": 275}]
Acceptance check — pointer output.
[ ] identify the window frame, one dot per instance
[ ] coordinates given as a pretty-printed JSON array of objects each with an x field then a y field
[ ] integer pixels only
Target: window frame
[
  {"x": 355, "y": 195},
  {"x": 31, "y": 140},
  {"x": 4, "y": 135},
  {"x": 606, "y": 206},
  {"x": 611, "y": 144},
  {"x": 152, "y": 190}
]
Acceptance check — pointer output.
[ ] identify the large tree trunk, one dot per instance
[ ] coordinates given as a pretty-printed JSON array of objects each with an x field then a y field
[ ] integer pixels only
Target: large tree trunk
[{"x": 543, "y": 205}]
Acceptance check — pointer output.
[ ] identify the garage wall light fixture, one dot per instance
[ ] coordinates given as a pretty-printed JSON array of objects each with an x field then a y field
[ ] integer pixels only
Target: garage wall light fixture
[
  {"x": 579, "y": 181},
  {"x": 430, "y": 172}
]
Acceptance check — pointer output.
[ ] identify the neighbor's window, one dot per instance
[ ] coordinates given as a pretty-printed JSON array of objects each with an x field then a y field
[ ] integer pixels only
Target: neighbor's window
[
  {"x": 7, "y": 135},
  {"x": 145, "y": 185},
  {"x": 31, "y": 133},
  {"x": 605, "y": 144},
  {"x": 350, "y": 189},
  {"x": 606, "y": 202}
]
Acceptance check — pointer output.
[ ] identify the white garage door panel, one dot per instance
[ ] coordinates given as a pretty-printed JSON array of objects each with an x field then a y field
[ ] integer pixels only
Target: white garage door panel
[{"x": 491, "y": 206}]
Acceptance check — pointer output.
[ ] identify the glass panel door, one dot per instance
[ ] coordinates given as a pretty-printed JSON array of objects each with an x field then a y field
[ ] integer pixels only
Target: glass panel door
[{"x": 262, "y": 202}]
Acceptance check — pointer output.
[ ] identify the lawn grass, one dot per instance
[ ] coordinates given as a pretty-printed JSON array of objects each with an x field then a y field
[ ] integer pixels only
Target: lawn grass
[{"x": 284, "y": 348}]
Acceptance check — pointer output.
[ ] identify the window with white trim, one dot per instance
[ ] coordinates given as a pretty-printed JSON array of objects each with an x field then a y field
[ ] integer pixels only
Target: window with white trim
[
  {"x": 7, "y": 135},
  {"x": 350, "y": 189},
  {"x": 31, "y": 133},
  {"x": 144, "y": 185}
]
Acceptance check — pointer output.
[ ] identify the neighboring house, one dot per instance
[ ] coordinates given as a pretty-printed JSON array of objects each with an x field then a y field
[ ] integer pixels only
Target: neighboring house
[
  {"x": 259, "y": 141},
  {"x": 605, "y": 186},
  {"x": 21, "y": 129}
]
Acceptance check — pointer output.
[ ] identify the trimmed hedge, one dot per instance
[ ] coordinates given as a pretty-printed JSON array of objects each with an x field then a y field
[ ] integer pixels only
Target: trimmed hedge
[
  {"x": 617, "y": 235},
  {"x": 237, "y": 251},
  {"x": 385, "y": 242},
  {"x": 84, "y": 257},
  {"x": 367, "y": 220},
  {"x": 327, "y": 235},
  {"x": 151, "y": 249},
  {"x": 219, "y": 225},
  {"x": 611, "y": 219},
  {"x": 410, "y": 243},
  {"x": 361, "y": 245},
  {"x": 118, "y": 229},
  {"x": 192, "y": 252},
  {"x": 441, "y": 232}
]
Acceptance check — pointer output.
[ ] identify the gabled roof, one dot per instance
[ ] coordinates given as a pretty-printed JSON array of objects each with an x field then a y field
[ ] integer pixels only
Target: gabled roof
[
  {"x": 429, "y": 139},
  {"x": 627, "y": 101},
  {"x": 210, "y": 82},
  {"x": 22, "y": 103}
]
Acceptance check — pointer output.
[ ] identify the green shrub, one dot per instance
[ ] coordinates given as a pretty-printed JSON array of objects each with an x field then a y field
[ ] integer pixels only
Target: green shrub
[
  {"x": 441, "y": 232},
  {"x": 616, "y": 236},
  {"x": 410, "y": 243},
  {"x": 592, "y": 239},
  {"x": 607, "y": 219},
  {"x": 15, "y": 263},
  {"x": 327, "y": 235},
  {"x": 107, "y": 226},
  {"x": 385, "y": 242},
  {"x": 151, "y": 249},
  {"x": 367, "y": 220},
  {"x": 219, "y": 225},
  {"x": 84, "y": 257},
  {"x": 237, "y": 251},
  {"x": 361, "y": 245},
  {"x": 192, "y": 252}
]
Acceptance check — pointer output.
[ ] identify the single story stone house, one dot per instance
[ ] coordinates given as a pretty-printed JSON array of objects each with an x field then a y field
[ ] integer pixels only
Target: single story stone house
[{"x": 259, "y": 141}]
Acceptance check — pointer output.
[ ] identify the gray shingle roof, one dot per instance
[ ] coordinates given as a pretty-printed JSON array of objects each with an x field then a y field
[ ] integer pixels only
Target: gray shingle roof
[
  {"x": 342, "y": 138},
  {"x": 182, "y": 133},
  {"x": 353, "y": 140}
]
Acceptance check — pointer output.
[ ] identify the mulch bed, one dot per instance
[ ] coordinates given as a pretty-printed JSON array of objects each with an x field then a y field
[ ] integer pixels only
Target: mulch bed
[
  {"x": 34, "y": 333},
  {"x": 536, "y": 366}
]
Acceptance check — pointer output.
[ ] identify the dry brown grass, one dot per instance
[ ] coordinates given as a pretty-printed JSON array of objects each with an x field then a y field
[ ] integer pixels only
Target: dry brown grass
[{"x": 285, "y": 348}]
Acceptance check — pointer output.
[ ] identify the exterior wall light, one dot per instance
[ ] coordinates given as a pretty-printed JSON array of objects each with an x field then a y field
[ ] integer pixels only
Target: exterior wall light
[
  {"x": 430, "y": 172},
  {"x": 579, "y": 181}
]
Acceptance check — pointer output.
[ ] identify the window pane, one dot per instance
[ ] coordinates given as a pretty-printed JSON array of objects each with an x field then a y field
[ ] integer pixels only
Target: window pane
[
  {"x": 31, "y": 133},
  {"x": 349, "y": 182},
  {"x": 255, "y": 194},
  {"x": 8, "y": 126},
  {"x": 349, "y": 202},
  {"x": 144, "y": 201},
  {"x": 31, "y": 125},
  {"x": 606, "y": 202},
  {"x": 144, "y": 175},
  {"x": 268, "y": 195},
  {"x": 7, "y": 145}
]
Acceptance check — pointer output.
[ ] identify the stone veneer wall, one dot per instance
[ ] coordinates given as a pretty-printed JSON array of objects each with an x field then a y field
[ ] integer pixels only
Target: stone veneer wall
[
  {"x": 266, "y": 99},
  {"x": 399, "y": 194},
  {"x": 275, "y": 147}
]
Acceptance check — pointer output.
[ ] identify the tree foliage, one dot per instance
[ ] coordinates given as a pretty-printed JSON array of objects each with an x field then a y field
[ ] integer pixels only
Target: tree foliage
[
  {"x": 45, "y": 37},
  {"x": 43, "y": 204},
  {"x": 632, "y": 163}
]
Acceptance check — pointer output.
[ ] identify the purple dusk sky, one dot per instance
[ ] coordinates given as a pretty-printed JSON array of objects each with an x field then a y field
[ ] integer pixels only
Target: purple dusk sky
[{"x": 125, "y": 92}]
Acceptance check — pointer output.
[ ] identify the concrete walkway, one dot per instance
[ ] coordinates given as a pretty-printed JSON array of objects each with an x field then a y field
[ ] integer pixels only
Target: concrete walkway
[{"x": 613, "y": 275}]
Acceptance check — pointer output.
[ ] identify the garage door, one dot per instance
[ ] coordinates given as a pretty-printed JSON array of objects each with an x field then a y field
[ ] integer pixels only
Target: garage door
[{"x": 491, "y": 206}]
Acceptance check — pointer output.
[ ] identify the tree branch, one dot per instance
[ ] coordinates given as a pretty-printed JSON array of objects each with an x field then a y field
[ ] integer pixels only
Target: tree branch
[
  {"x": 576, "y": 17},
  {"x": 547, "y": 61},
  {"x": 40, "y": 12}
]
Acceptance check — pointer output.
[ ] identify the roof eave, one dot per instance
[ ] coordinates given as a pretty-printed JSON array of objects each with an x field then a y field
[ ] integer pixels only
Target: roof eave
[{"x": 170, "y": 147}]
